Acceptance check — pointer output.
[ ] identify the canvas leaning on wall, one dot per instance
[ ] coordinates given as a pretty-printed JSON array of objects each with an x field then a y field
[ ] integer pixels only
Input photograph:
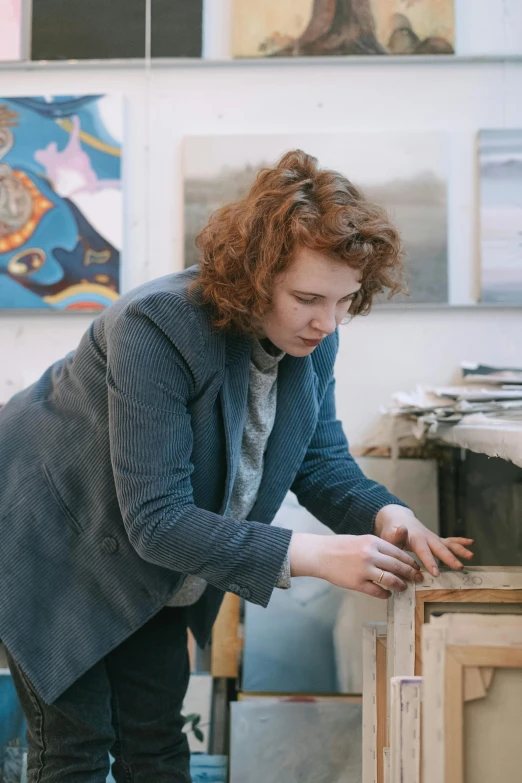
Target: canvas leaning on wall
[
  {"x": 60, "y": 202},
  {"x": 286, "y": 28},
  {"x": 404, "y": 172},
  {"x": 500, "y": 162}
]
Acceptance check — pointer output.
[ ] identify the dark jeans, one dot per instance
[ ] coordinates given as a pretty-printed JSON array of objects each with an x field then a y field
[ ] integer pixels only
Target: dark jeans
[{"x": 129, "y": 704}]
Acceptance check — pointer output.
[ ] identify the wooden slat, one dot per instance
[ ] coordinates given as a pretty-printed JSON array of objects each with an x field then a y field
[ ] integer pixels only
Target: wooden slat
[
  {"x": 472, "y": 596},
  {"x": 226, "y": 644},
  {"x": 453, "y": 719},
  {"x": 382, "y": 729}
]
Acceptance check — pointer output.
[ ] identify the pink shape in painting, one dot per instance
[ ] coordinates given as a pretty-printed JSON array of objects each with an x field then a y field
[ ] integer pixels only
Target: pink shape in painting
[
  {"x": 10, "y": 29},
  {"x": 70, "y": 170}
]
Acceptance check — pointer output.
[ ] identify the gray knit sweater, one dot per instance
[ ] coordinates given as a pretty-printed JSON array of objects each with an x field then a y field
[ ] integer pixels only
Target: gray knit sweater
[{"x": 259, "y": 420}]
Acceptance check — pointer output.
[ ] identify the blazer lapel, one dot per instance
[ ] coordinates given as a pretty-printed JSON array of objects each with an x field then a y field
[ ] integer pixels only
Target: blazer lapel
[
  {"x": 234, "y": 394},
  {"x": 295, "y": 422}
]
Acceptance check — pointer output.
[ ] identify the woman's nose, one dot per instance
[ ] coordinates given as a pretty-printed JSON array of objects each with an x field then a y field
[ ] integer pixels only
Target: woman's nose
[{"x": 325, "y": 323}]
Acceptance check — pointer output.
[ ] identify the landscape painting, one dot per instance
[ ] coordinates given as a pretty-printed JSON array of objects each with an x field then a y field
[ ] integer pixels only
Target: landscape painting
[
  {"x": 500, "y": 160},
  {"x": 10, "y": 29},
  {"x": 404, "y": 172},
  {"x": 289, "y": 28},
  {"x": 61, "y": 210}
]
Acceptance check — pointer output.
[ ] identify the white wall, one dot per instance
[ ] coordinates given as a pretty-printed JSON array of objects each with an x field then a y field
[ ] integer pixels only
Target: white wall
[{"x": 390, "y": 349}]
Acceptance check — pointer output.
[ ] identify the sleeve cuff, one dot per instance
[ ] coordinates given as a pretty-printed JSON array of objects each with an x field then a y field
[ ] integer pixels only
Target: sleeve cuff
[{"x": 284, "y": 581}]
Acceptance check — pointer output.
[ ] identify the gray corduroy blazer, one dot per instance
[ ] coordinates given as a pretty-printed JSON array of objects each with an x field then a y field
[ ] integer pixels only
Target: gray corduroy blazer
[{"x": 116, "y": 468}]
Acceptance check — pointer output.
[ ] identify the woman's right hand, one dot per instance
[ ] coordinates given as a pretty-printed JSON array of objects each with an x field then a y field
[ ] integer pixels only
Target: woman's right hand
[{"x": 353, "y": 562}]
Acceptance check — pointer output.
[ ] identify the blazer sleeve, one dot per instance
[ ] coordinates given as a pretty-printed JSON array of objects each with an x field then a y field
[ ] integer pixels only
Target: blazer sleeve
[
  {"x": 149, "y": 386},
  {"x": 329, "y": 482}
]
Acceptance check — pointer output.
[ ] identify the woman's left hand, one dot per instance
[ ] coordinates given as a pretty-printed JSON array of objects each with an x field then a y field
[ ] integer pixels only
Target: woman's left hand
[{"x": 399, "y": 526}]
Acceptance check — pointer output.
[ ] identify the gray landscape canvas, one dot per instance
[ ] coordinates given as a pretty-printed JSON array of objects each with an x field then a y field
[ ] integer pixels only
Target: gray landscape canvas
[
  {"x": 404, "y": 172},
  {"x": 305, "y": 742},
  {"x": 500, "y": 158}
]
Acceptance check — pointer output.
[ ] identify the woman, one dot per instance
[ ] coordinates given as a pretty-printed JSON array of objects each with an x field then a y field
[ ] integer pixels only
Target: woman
[{"x": 140, "y": 474}]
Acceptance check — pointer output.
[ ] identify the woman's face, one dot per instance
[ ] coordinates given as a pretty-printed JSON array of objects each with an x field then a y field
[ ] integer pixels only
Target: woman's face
[{"x": 310, "y": 300}]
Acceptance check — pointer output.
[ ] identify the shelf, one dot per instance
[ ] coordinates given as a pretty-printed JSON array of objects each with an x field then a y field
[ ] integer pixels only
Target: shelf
[{"x": 253, "y": 62}]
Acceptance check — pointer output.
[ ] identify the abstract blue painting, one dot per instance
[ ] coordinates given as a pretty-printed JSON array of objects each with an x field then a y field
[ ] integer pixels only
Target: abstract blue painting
[{"x": 60, "y": 202}]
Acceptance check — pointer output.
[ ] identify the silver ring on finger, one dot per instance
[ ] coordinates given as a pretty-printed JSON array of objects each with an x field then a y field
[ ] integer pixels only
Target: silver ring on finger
[{"x": 380, "y": 578}]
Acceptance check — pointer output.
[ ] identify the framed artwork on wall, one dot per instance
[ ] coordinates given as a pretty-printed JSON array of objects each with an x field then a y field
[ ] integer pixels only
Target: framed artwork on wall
[
  {"x": 403, "y": 172},
  {"x": 10, "y": 30},
  {"x": 500, "y": 166},
  {"x": 61, "y": 210},
  {"x": 64, "y": 30},
  {"x": 286, "y": 28}
]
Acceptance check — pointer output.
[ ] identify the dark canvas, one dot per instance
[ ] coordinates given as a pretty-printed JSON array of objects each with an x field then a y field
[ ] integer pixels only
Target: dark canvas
[
  {"x": 106, "y": 29},
  {"x": 97, "y": 29},
  {"x": 177, "y": 28}
]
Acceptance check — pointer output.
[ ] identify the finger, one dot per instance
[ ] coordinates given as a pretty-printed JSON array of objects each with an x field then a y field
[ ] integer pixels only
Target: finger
[
  {"x": 370, "y": 588},
  {"x": 458, "y": 540},
  {"x": 398, "y": 536},
  {"x": 424, "y": 554},
  {"x": 439, "y": 548},
  {"x": 394, "y": 566},
  {"x": 388, "y": 580},
  {"x": 458, "y": 549},
  {"x": 386, "y": 548}
]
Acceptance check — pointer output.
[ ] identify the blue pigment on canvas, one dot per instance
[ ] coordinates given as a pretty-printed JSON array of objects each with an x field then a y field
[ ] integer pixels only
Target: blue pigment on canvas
[{"x": 60, "y": 203}]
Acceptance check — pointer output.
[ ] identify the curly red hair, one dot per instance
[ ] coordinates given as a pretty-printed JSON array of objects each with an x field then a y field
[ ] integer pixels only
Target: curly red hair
[{"x": 248, "y": 243}]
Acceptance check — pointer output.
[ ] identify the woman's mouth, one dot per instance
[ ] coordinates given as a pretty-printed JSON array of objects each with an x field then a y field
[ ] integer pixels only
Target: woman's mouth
[{"x": 311, "y": 343}]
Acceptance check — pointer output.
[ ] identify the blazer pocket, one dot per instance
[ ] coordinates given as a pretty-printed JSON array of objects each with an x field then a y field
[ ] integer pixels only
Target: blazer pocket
[{"x": 69, "y": 516}]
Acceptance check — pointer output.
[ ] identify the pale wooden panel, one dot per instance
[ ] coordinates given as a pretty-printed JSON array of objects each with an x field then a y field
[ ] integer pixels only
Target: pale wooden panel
[
  {"x": 492, "y": 746},
  {"x": 226, "y": 644},
  {"x": 381, "y": 728},
  {"x": 470, "y": 601}
]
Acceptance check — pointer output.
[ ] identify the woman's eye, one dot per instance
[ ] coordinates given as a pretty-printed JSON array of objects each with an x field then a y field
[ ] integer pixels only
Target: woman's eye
[{"x": 305, "y": 301}]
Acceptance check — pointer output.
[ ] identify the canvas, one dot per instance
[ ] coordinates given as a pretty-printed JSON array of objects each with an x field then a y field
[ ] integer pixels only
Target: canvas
[
  {"x": 404, "y": 172},
  {"x": 500, "y": 160},
  {"x": 61, "y": 209},
  {"x": 93, "y": 30},
  {"x": 13, "y": 744},
  {"x": 10, "y": 29},
  {"x": 285, "y": 28},
  {"x": 177, "y": 28},
  {"x": 309, "y": 743},
  {"x": 208, "y": 769}
]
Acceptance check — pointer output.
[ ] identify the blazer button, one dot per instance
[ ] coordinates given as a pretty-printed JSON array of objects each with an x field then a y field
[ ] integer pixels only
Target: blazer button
[
  {"x": 245, "y": 593},
  {"x": 110, "y": 545},
  {"x": 234, "y": 589}
]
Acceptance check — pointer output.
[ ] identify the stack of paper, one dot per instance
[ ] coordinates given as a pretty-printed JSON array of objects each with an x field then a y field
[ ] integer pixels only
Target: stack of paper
[{"x": 492, "y": 391}]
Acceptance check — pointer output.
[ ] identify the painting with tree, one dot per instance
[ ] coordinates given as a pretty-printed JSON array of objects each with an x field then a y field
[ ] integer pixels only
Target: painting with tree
[{"x": 286, "y": 28}]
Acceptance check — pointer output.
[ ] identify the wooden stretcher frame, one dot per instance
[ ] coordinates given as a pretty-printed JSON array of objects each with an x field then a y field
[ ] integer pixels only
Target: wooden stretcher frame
[
  {"x": 374, "y": 701},
  {"x": 448, "y": 650},
  {"x": 226, "y": 641},
  {"x": 406, "y": 611},
  {"x": 405, "y": 729}
]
